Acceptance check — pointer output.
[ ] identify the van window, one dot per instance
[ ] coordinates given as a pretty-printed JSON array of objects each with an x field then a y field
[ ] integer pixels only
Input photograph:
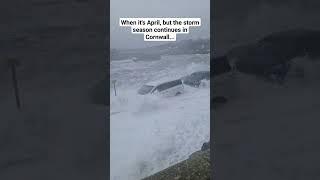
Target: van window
[
  {"x": 145, "y": 89},
  {"x": 168, "y": 85}
]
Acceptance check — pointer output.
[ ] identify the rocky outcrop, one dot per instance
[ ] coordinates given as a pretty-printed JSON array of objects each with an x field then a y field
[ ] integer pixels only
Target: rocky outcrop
[{"x": 196, "y": 167}]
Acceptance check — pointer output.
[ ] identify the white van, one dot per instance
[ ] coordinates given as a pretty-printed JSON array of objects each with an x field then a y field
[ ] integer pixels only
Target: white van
[{"x": 163, "y": 88}]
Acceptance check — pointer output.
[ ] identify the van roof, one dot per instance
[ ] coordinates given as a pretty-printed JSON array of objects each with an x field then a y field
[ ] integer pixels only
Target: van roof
[{"x": 162, "y": 80}]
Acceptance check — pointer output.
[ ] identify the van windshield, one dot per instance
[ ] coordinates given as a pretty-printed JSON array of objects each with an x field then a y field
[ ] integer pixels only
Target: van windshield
[{"x": 145, "y": 89}]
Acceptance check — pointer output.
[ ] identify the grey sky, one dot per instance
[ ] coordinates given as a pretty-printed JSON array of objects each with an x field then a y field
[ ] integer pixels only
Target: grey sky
[{"x": 121, "y": 37}]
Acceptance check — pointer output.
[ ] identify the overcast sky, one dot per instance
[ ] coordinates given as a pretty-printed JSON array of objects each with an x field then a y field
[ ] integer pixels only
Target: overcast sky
[{"x": 121, "y": 37}]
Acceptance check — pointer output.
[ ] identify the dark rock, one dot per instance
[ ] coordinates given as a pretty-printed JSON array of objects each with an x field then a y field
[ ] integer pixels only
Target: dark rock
[
  {"x": 196, "y": 167},
  {"x": 205, "y": 146}
]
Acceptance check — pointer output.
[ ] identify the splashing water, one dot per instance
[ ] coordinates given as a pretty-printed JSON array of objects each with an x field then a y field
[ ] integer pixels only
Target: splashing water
[{"x": 150, "y": 133}]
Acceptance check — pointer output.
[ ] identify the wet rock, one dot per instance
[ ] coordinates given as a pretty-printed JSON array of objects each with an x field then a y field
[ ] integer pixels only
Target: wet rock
[
  {"x": 197, "y": 167},
  {"x": 205, "y": 146}
]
